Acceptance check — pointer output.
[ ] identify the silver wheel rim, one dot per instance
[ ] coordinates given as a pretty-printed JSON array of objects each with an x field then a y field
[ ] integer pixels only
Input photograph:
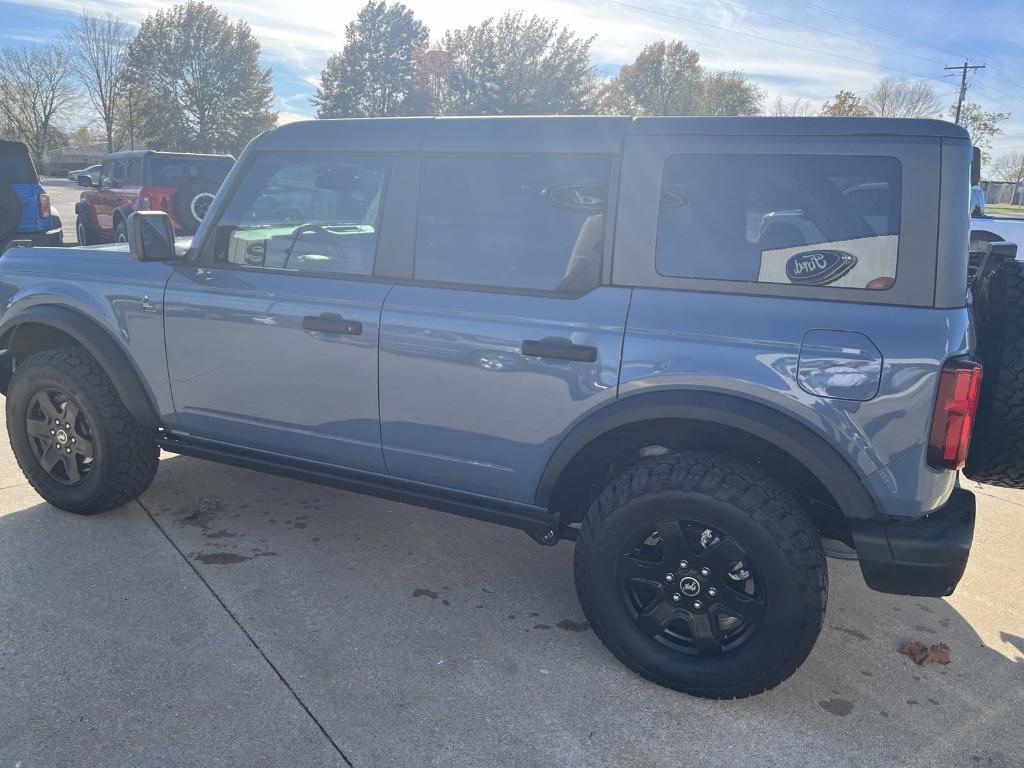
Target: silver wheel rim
[{"x": 200, "y": 205}]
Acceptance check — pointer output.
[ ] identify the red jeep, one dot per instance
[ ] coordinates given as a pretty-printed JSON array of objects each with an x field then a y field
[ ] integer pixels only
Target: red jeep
[{"x": 181, "y": 184}]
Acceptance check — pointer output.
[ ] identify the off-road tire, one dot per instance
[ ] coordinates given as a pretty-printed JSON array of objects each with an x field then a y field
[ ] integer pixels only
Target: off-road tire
[
  {"x": 10, "y": 210},
  {"x": 84, "y": 233},
  {"x": 996, "y": 455},
  {"x": 126, "y": 453},
  {"x": 121, "y": 231},
  {"x": 759, "y": 512},
  {"x": 189, "y": 190}
]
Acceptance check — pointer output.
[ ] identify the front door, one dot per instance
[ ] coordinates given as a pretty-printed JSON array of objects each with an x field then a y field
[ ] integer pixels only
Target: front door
[
  {"x": 272, "y": 333},
  {"x": 505, "y": 337}
]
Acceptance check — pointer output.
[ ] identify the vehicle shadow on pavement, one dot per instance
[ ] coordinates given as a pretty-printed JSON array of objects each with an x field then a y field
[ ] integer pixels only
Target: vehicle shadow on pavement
[{"x": 418, "y": 638}]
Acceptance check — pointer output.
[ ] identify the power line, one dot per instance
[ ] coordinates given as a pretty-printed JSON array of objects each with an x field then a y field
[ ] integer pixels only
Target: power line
[
  {"x": 876, "y": 27},
  {"x": 702, "y": 23}
]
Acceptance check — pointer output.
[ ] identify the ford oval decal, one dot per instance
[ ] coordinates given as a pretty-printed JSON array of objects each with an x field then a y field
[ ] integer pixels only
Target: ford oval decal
[{"x": 819, "y": 267}]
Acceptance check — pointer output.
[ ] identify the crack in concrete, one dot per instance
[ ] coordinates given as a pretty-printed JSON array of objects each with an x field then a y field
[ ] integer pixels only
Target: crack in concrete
[{"x": 251, "y": 639}]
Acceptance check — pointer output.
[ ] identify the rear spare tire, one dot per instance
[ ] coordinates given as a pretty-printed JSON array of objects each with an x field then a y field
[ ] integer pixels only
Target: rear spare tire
[
  {"x": 191, "y": 201},
  {"x": 10, "y": 210},
  {"x": 997, "y": 447}
]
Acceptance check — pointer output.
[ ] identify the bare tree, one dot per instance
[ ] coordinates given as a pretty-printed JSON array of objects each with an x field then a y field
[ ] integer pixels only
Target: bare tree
[
  {"x": 795, "y": 107},
  {"x": 98, "y": 48},
  {"x": 36, "y": 84},
  {"x": 893, "y": 97}
]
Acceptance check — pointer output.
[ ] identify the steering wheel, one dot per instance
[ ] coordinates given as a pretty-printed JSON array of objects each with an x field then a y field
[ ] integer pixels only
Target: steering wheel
[{"x": 303, "y": 229}]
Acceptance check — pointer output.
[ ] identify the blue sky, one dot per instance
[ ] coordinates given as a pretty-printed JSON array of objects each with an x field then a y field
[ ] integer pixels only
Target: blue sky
[{"x": 804, "y": 49}]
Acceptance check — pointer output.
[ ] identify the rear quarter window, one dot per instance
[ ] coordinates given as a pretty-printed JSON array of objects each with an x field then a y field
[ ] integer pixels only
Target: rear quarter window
[
  {"x": 812, "y": 220},
  {"x": 174, "y": 170}
]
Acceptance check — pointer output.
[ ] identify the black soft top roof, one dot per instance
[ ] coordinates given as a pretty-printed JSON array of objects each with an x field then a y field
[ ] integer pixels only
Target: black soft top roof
[
  {"x": 16, "y": 163},
  {"x": 568, "y": 133}
]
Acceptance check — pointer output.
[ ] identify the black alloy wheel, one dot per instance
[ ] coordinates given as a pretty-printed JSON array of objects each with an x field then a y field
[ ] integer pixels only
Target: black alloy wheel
[
  {"x": 691, "y": 587},
  {"x": 60, "y": 436}
]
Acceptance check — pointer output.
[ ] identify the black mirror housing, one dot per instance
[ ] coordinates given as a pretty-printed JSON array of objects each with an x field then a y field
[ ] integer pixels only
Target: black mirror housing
[
  {"x": 84, "y": 180},
  {"x": 975, "y": 166},
  {"x": 151, "y": 236}
]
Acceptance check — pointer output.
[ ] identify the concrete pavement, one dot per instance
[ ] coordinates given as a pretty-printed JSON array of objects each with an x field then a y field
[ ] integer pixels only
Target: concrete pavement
[{"x": 238, "y": 619}]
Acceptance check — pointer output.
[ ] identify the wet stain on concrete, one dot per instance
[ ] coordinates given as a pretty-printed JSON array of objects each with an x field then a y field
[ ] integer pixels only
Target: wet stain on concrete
[
  {"x": 573, "y": 626},
  {"x": 228, "y": 558},
  {"x": 542, "y": 626},
  {"x": 865, "y": 673},
  {"x": 219, "y": 534},
  {"x": 852, "y": 632},
  {"x": 424, "y": 593},
  {"x": 445, "y": 602},
  {"x": 923, "y": 628},
  {"x": 840, "y": 707},
  {"x": 201, "y": 512}
]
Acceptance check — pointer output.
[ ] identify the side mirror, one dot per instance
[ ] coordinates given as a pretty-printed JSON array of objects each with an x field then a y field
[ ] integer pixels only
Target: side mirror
[
  {"x": 84, "y": 180},
  {"x": 975, "y": 166},
  {"x": 151, "y": 236}
]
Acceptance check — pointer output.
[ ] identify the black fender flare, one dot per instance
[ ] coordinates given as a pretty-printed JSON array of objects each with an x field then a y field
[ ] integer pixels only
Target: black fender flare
[
  {"x": 765, "y": 422},
  {"x": 97, "y": 342}
]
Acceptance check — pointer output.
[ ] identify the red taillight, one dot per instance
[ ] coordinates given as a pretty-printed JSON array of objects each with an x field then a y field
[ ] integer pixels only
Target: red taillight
[
  {"x": 44, "y": 206},
  {"x": 955, "y": 409}
]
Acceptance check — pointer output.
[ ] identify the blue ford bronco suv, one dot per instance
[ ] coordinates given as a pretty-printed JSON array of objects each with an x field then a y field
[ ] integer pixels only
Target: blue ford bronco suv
[
  {"x": 25, "y": 212},
  {"x": 695, "y": 346}
]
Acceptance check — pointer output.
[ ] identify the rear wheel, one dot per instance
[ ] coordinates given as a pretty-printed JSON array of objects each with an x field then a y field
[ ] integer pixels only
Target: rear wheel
[
  {"x": 702, "y": 574},
  {"x": 73, "y": 438}
]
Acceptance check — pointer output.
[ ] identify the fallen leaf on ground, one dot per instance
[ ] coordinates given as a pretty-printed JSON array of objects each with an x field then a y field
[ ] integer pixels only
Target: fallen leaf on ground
[{"x": 923, "y": 654}]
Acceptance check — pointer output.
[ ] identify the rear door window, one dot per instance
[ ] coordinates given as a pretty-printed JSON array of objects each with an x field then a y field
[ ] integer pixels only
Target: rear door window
[
  {"x": 516, "y": 222},
  {"x": 819, "y": 220},
  {"x": 133, "y": 174}
]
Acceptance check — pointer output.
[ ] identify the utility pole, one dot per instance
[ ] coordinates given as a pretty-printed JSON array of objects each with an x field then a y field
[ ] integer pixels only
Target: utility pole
[{"x": 963, "y": 84}]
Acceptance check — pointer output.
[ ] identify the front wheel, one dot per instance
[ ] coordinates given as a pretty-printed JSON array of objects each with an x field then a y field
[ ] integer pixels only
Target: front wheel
[
  {"x": 73, "y": 438},
  {"x": 702, "y": 574}
]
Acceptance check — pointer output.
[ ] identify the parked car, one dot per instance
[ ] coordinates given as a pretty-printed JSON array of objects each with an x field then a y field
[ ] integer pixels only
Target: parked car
[
  {"x": 93, "y": 172},
  {"x": 25, "y": 211},
  {"x": 180, "y": 184},
  {"x": 577, "y": 326}
]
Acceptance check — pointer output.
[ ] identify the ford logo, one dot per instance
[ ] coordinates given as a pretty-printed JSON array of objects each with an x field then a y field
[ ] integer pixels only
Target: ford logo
[{"x": 819, "y": 267}]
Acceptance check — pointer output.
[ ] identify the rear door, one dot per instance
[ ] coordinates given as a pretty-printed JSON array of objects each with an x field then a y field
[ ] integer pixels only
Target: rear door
[
  {"x": 272, "y": 334},
  {"x": 506, "y": 335}
]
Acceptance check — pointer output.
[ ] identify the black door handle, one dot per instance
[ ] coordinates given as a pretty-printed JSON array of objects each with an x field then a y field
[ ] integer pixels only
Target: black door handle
[
  {"x": 561, "y": 349},
  {"x": 329, "y": 322}
]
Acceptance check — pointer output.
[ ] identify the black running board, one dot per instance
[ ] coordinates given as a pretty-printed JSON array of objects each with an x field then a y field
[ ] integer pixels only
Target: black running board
[{"x": 541, "y": 524}]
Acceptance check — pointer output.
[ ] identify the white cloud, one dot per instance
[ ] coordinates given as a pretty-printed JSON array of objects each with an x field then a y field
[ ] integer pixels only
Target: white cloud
[{"x": 786, "y": 58}]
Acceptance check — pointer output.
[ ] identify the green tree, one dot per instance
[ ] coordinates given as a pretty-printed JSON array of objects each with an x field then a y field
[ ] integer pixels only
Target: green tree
[
  {"x": 845, "y": 104},
  {"x": 667, "y": 78},
  {"x": 514, "y": 65},
  {"x": 980, "y": 124},
  {"x": 374, "y": 75},
  {"x": 98, "y": 51},
  {"x": 730, "y": 93},
  {"x": 196, "y": 81}
]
